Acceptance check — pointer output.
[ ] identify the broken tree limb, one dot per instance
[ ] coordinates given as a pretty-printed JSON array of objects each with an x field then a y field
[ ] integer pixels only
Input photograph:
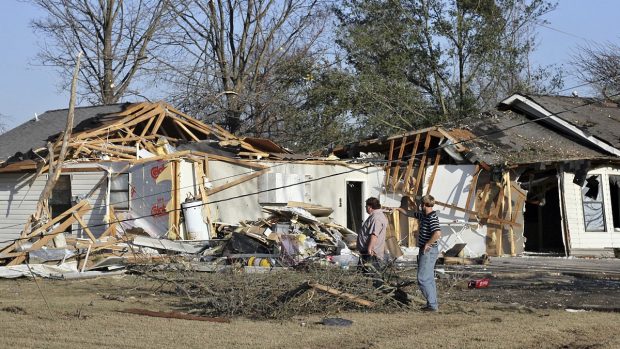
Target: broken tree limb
[
  {"x": 173, "y": 315},
  {"x": 343, "y": 295}
]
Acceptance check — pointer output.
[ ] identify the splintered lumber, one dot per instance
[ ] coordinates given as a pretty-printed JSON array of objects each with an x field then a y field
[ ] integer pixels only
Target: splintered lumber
[
  {"x": 45, "y": 226},
  {"x": 173, "y": 315},
  {"x": 49, "y": 236},
  {"x": 343, "y": 295}
]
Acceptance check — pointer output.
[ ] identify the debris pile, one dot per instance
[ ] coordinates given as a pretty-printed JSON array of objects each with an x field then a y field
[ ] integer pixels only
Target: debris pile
[{"x": 290, "y": 236}]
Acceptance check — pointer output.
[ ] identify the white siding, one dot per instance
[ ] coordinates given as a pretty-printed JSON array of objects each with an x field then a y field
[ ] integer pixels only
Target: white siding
[
  {"x": 579, "y": 238},
  {"x": 19, "y": 194},
  {"x": 81, "y": 185},
  {"x": 329, "y": 192}
]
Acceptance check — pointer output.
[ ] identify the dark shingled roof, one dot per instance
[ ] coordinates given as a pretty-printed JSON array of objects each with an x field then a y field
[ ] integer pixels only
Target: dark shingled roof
[
  {"x": 35, "y": 134},
  {"x": 506, "y": 136},
  {"x": 600, "y": 119}
]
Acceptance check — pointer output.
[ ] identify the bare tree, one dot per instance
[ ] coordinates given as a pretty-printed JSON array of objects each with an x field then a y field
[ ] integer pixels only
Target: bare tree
[
  {"x": 115, "y": 37},
  {"x": 599, "y": 65},
  {"x": 229, "y": 54}
]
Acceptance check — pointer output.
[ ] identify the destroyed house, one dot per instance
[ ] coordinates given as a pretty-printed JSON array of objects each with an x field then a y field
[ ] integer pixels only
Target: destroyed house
[
  {"x": 539, "y": 174},
  {"x": 135, "y": 166}
]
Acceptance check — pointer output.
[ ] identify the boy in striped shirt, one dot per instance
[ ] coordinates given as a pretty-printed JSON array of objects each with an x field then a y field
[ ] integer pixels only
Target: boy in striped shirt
[{"x": 428, "y": 235}]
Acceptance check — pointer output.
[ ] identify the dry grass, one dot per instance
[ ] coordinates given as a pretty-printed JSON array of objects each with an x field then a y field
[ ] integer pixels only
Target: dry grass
[{"x": 82, "y": 317}]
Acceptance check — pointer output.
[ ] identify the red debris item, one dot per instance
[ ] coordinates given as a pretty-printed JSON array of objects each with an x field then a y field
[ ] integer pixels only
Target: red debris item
[{"x": 480, "y": 283}]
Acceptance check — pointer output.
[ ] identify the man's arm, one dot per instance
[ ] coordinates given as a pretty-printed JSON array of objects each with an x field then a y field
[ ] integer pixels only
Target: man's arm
[
  {"x": 371, "y": 244},
  {"x": 409, "y": 213}
]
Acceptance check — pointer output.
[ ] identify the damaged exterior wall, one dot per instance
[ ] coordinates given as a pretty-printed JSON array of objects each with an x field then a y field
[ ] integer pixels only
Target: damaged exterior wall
[
  {"x": 20, "y": 192},
  {"x": 602, "y": 233},
  {"x": 330, "y": 192}
]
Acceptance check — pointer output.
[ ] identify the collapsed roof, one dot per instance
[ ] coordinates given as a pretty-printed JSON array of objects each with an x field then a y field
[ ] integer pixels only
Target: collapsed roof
[
  {"x": 123, "y": 132},
  {"x": 523, "y": 130}
]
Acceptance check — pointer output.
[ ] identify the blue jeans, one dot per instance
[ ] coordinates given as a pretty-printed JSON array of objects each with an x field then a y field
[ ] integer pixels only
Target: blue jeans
[{"x": 426, "y": 276}]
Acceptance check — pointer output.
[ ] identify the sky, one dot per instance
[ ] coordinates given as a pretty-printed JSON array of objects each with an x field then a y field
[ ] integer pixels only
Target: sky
[{"x": 26, "y": 88}]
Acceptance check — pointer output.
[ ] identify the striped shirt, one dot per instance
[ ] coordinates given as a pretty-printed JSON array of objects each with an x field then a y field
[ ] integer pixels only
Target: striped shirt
[{"x": 428, "y": 225}]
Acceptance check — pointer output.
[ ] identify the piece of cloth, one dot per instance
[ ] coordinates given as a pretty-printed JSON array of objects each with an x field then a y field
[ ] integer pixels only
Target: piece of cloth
[
  {"x": 429, "y": 223},
  {"x": 376, "y": 224},
  {"x": 426, "y": 276}
]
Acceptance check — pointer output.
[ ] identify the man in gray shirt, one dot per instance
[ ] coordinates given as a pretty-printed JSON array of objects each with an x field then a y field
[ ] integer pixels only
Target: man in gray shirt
[{"x": 371, "y": 237}]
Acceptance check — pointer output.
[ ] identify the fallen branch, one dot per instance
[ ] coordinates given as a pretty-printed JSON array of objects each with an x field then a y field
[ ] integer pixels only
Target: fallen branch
[
  {"x": 341, "y": 294},
  {"x": 173, "y": 315}
]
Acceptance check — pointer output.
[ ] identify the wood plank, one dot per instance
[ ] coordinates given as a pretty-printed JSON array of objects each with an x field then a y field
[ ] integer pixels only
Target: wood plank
[
  {"x": 509, "y": 212},
  {"x": 47, "y": 225},
  {"x": 184, "y": 128},
  {"x": 473, "y": 186},
  {"x": 488, "y": 218},
  {"x": 176, "y": 197},
  {"x": 422, "y": 166},
  {"x": 434, "y": 171},
  {"x": 389, "y": 165},
  {"x": 202, "y": 130},
  {"x": 203, "y": 196},
  {"x": 400, "y": 158},
  {"x": 498, "y": 207},
  {"x": 49, "y": 236},
  {"x": 109, "y": 151},
  {"x": 236, "y": 182},
  {"x": 160, "y": 120},
  {"x": 410, "y": 163},
  {"x": 85, "y": 227},
  {"x": 197, "y": 123}
]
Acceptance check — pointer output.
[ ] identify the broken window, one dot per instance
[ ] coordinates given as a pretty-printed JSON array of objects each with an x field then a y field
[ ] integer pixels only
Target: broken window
[
  {"x": 592, "y": 199},
  {"x": 614, "y": 190},
  {"x": 119, "y": 191}
]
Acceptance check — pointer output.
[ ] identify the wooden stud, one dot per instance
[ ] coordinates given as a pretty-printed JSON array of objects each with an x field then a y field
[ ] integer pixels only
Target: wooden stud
[
  {"x": 509, "y": 212},
  {"x": 434, "y": 172},
  {"x": 473, "y": 186},
  {"x": 422, "y": 166},
  {"x": 389, "y": 165},
  {"x": 176, "y": 172},
  {"x": 400, "y": 158},
  {"x": 411, "y": 161}
]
